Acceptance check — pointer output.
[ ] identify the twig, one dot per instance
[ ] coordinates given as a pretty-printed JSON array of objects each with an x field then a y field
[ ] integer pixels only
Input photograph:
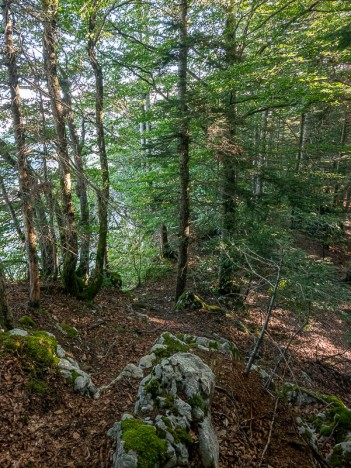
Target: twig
[
  {"x": 270, "y": 432},
  {"x": 265, "y": 325}
]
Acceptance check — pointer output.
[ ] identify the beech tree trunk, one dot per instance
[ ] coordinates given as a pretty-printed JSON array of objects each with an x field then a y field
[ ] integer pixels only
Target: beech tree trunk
[
  {"x": 70, "y": 246},
  {"x": 104, "y": 192},
  {"x": 22, "y": 163},
  {"x": 83, "y": 268},
  {"x": 6, "y": 319},
  {"x": 184, "y": 179}
]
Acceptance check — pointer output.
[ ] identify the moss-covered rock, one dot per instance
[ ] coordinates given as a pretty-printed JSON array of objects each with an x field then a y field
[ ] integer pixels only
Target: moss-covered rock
[
  {"x": 341, "y": 454},
  {"x": 142, "y": 439},
  {"x": 189, "y": 300},
  {"x": 37, "y": 348},
  {"x": 36, "y": 352},
  {"x": 335, "y": 420}
]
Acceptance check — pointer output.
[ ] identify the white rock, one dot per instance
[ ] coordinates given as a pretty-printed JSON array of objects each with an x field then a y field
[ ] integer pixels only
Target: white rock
[
  {"x": 208, "y": 444},
  {"x": 18, "y": 332},
  {"x": 146, "y": 362}
]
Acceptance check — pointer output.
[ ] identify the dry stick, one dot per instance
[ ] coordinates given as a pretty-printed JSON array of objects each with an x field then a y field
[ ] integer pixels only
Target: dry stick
[
  {"x": 265, "y": 325},
  {"x": 270, "y": 431}
]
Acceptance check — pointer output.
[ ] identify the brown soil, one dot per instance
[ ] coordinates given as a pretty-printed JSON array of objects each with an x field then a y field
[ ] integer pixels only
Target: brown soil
[{"x": 62, "y": 429}]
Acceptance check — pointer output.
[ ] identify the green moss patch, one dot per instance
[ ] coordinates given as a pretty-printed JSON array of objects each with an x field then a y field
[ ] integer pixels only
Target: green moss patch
[
  {"x": 173, "y": 345},
  {"x": 27, "y": 321},
  {"x": 71, "y": 332},
  {"x": 143, "y": 439}
]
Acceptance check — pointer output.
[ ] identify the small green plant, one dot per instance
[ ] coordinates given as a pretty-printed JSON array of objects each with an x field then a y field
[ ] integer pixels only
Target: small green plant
[
  {"x": 37, "y": 386},
  {"x": 196, "y": 401},
  {"x": 153, "y": 387}
]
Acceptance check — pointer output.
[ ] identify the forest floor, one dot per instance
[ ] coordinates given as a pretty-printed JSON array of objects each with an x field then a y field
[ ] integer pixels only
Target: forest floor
[{"x": 63, "y": 429}]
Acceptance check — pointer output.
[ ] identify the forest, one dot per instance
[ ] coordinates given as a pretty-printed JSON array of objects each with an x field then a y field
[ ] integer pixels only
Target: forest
[{"x": 175, "y": 191}]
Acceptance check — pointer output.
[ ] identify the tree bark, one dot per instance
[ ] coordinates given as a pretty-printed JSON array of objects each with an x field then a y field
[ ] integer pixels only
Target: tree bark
[
  {"x": 70, "y": 246},
  {"x": 6, "y": 319},
  {"x": 184, "y": 178},
  {"x": 83, "y": 268},
  {"x": 227, "y": 268},
  {"x": 104, "y": 192},
  {"x": 22, "y": 163}
]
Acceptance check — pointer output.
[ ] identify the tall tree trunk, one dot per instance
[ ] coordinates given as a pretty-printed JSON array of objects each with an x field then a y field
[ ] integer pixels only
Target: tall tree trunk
[
  {"x": 6, "y": 319},
  {"x": 22, "y": 163},
  {"x": 184, "y": 178},
  {"x": 103, "y": 194},
  {"x": 227, "y": 268},
  {"x": 83, "y": 268},
  {"x": 70, "y": 246},
  {"x": 51, "y": 250}
]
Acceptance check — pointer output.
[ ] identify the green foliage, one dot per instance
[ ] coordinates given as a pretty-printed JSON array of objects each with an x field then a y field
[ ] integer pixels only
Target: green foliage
[{"x": 142, "y": 438}]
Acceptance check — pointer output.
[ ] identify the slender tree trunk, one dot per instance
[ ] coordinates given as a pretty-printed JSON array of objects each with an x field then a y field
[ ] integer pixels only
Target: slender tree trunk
[
  {"x": 12, "y": 211},
  {"x": 184, "y": 179},
  {"x": 303, "y": 135},
  {"x": 83, "y": 268},
  {"x": 51, "y": 250},
  {"x": 70, "y": 246},
  {"x": 46, "y": 242},
  {"x": 6, "y": 319},
  {"x": 103, "y": 194},
  {"x": 166, "y": 250},
  {"x": 261, "y": 156},
  {"x": 227, "y": 268},
  {"x": 24, "y": 182},
  {"x": 338, "y": 197}
]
